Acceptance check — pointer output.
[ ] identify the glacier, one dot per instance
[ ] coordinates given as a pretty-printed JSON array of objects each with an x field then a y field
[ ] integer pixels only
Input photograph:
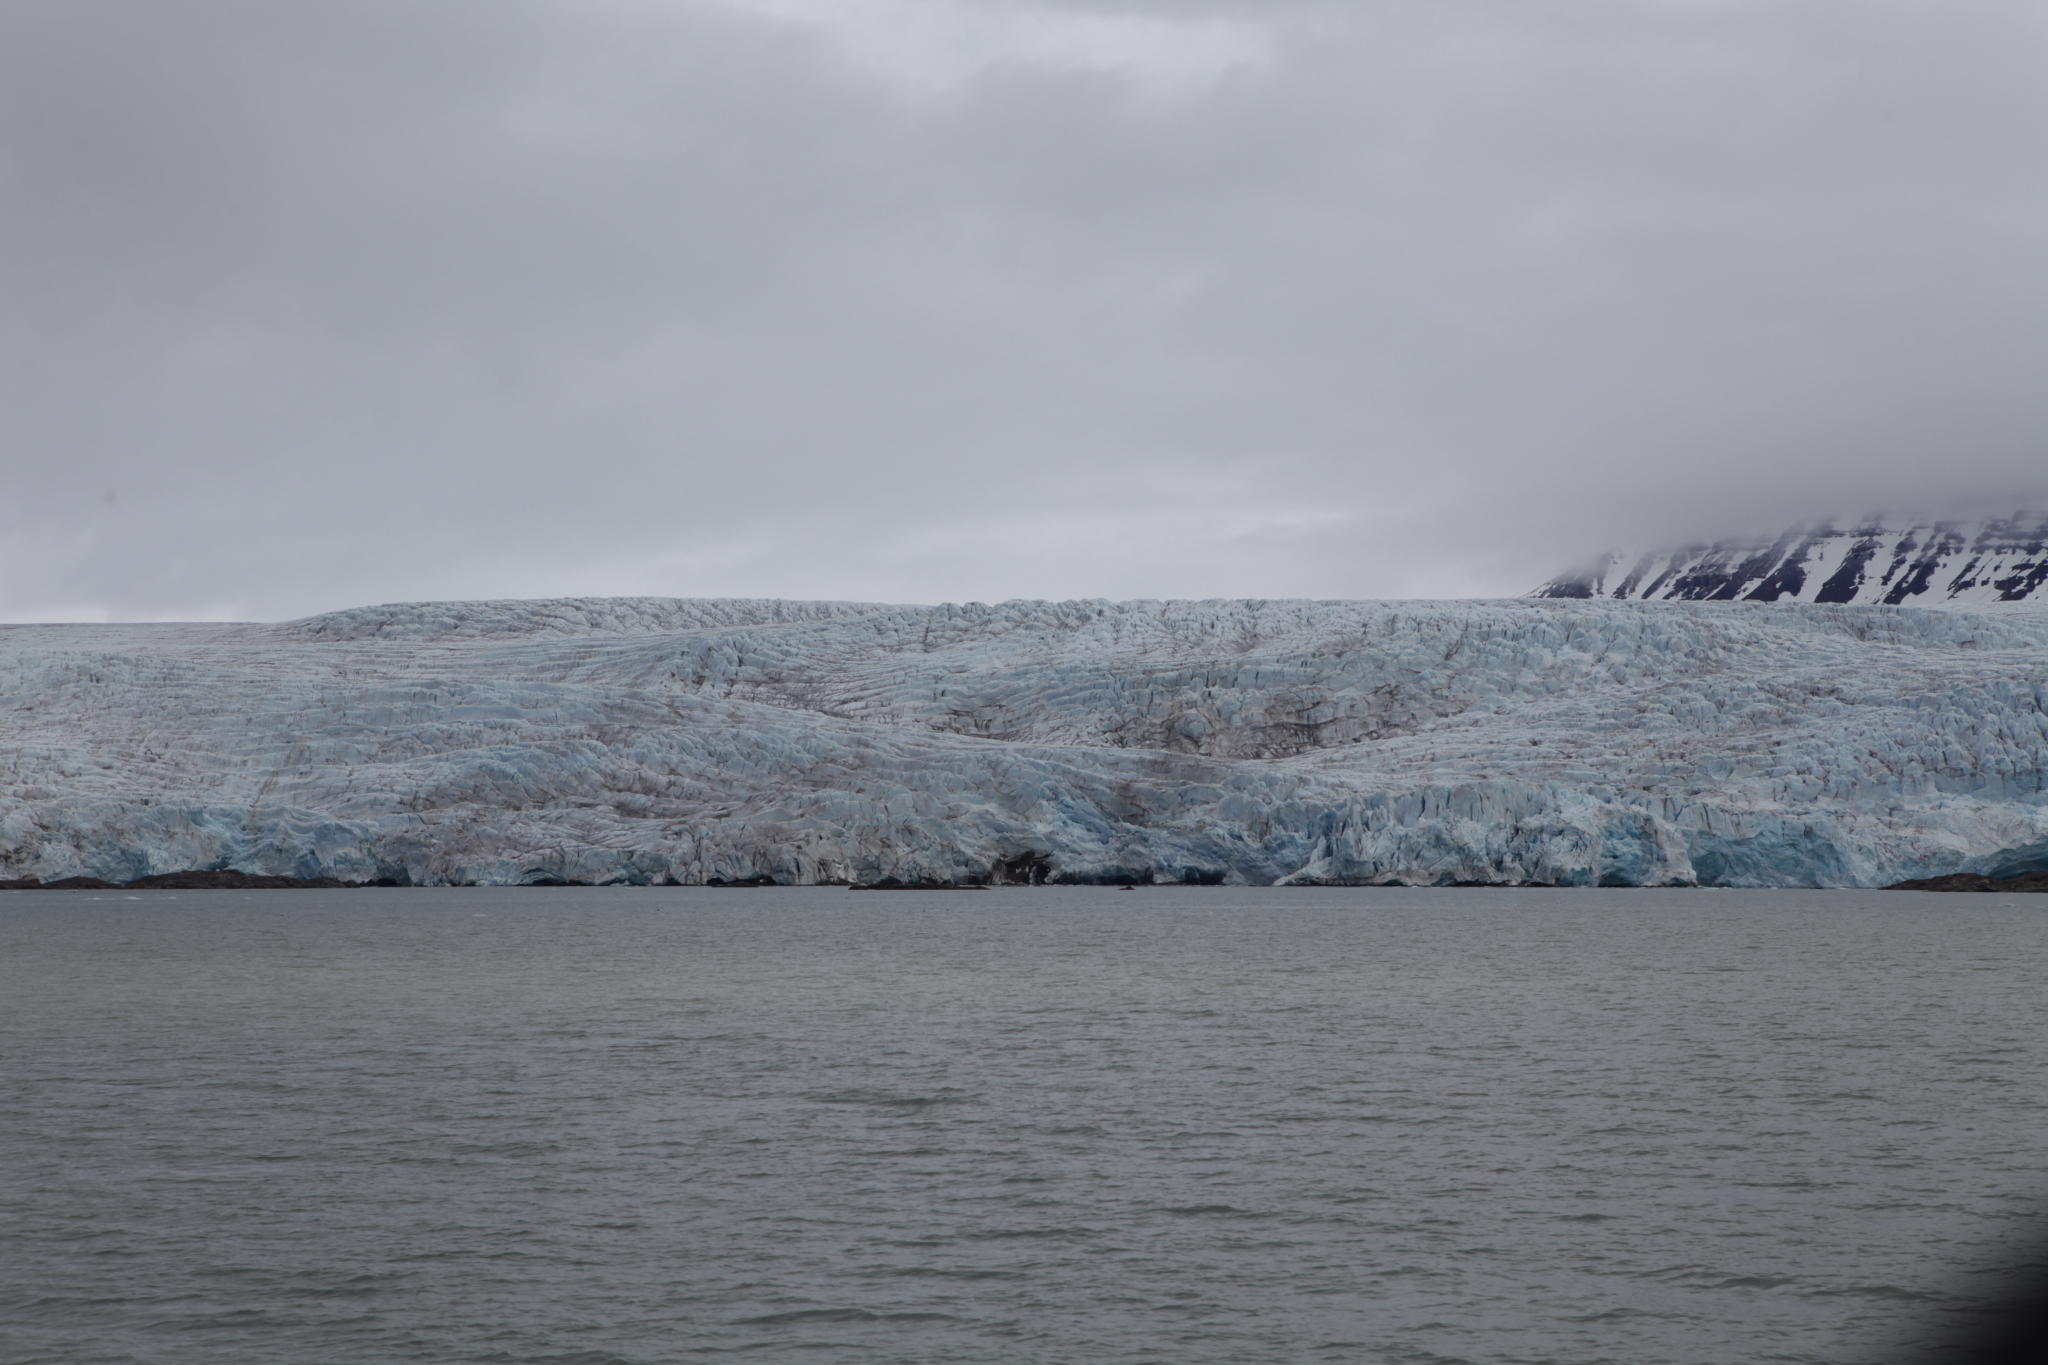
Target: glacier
[{"x": 1571, "y": 742}]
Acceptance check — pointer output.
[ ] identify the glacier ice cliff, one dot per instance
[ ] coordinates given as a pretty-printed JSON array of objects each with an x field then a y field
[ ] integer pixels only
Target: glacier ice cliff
[{"x": 1567, "y": 742}]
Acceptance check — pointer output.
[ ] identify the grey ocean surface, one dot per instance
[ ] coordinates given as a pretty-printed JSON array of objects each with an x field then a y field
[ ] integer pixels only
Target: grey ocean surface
[{"x": 598, "y": 1126}]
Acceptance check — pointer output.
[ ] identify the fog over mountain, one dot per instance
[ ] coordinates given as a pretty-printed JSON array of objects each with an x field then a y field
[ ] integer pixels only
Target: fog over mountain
[
  {"x": 1988, "y": 562},
  {"x": 308, "y": 306}
]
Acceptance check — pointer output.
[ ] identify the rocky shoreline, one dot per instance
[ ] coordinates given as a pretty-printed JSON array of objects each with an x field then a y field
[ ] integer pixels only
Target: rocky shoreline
[
  {"x": 1972, "y": 881},
  {"x": 224, "y": 879}
]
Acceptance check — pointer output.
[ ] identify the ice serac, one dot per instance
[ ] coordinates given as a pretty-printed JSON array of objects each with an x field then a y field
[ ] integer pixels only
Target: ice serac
[
  {"x": 1888, "y": 559},
  {"x": 1536, "y": 741}
]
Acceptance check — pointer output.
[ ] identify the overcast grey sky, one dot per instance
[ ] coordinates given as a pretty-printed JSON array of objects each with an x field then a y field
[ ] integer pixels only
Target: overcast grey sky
[{"x": 309, "y": 305}]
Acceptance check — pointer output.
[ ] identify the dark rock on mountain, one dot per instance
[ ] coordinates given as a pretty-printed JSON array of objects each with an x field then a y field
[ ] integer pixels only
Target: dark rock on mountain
[{"x": 1887, "y": 560}]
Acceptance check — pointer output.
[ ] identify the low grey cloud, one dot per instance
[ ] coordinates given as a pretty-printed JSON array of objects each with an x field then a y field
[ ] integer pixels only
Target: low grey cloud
[{"x": 315, "y": 305}]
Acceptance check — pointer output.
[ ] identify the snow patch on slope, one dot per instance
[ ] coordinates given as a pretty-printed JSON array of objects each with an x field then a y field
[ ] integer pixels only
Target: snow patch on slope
[{"x": 1895, "y": 561}]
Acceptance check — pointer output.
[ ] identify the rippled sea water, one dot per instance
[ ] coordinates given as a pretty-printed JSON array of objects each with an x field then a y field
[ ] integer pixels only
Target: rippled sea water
[{"x": 595, "y": 1126}]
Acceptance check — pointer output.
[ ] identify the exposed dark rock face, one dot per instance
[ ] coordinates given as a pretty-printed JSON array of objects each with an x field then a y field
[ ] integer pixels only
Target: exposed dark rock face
[
  {"x": 1972, "y": 881},
  {"x": 212, "y": 879},
  {"x": 1026, "y": 869},
  {"x": 62, "y": 884},
  {"x": 226, "y": 879},
  {"x": 892, "y": 884},
  {"x": 1891, "y": 561}
]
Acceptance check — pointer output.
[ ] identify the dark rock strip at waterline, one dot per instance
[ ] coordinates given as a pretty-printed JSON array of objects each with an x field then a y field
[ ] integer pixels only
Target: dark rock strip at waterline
[
  {"x": 1975, "y": 881},
  {"x": 209, "y": 880}
]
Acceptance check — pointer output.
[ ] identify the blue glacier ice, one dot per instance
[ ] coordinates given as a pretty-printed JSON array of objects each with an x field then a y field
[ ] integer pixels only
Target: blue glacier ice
[{"x": 643, "y": 740}]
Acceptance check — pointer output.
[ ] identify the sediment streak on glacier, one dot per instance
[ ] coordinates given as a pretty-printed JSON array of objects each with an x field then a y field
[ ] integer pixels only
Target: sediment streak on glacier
[{"x": 659, "y": 740}]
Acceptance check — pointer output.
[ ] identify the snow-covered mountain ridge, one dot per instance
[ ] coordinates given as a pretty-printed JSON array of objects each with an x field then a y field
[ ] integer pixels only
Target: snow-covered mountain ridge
[
  {"x": 652, "y": 740},
  {"x": 1896, "y": 561}
]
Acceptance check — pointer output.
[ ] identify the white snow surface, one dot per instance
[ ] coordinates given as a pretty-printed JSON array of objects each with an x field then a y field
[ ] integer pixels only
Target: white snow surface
[{"x": 645, "y": 740}]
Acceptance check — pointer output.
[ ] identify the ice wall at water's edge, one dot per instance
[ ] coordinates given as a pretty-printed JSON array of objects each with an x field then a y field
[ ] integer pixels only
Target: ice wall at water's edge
[{"x": 651, "y": 740}]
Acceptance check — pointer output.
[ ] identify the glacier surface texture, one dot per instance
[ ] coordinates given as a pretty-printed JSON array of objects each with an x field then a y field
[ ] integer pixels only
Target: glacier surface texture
[{"x": 646, "y": 740}]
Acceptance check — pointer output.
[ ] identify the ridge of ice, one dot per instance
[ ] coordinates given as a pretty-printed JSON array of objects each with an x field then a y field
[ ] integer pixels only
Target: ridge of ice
[{"x": 651, "y": 739}]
